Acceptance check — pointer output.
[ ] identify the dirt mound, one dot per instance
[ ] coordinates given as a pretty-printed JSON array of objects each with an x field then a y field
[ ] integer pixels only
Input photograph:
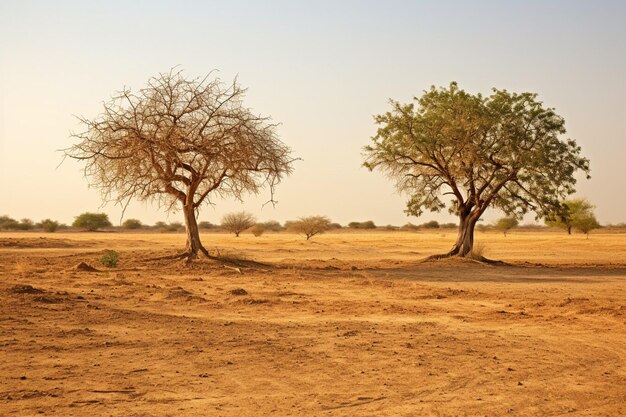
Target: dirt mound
[
  {"x": 85, "y": 268},
  {"x": 24, "y": 289},
  {"x": 181, "y": 293},
  {"x": 238, "y": 291}
]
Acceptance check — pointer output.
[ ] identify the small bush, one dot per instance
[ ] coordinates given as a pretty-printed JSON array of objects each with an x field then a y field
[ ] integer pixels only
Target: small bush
[
  {"x": 132, "y": 224},
  {"x": 258, "y": 229},
  {"x": 310, "y": 226},
  {"x": 110, "y": 259},
  {"x": 238, "y": 222},
  {"x": 7, "y": 223},
  {"x": 273, "y": 226},
  {"x": 362, "y": 225},
  {"x": 433, "y": 224},
  {"x": 206, "y": 225},
  {"x": 48, "y": 225},
  {"x": 92, "y": 221}
]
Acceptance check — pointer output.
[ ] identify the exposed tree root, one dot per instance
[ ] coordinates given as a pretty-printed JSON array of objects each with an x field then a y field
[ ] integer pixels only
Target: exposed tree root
[{"x": 469, "y": 257}]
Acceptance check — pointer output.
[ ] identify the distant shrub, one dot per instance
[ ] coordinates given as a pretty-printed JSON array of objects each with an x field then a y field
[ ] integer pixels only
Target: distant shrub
[
  {"x": 362, "y": 225},
  {"x": 174, "y": 227},
  {"x": 132, "y": 224},
  {"x": 238, "y": 222},
  {"x": 410, "y": 227},
  {"x": 110, "y": 259},
  {"x": 334, "y": 226},
  {"x": 506, "y": 223},
  {"x": 391, "y": 227},
  {"x": 449, "y": 226},
  {"x": 206, "y": 225},
  {"x": 48, "y": 225},
  {"x": 92, "y": 221},
  {"x": 160, "y": 225},
  {"x": 310, "y": 226},
  {"x": 258, "y": 229},
  {"x": 272, "y": 226},
  {"x": 7, "y": 223},
  {"x": 433, "y": 224}
]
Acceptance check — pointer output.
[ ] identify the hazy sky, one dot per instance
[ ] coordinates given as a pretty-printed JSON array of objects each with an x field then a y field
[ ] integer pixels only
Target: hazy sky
[{"x": 321, "y": 68}]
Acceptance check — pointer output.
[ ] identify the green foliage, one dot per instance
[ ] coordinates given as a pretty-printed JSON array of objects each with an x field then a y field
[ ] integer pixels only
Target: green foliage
[
  {"x": 505, "y": 224},
  {"x": 586, "y": 223},
  {"x": 8, "y": 223},
  {"x": 572, "y": 212},
  {"x": 160, "y": 225},
  {"x": 26, "y": 224},
  {"x": 502, "y": 151},
  {"x": 175, "y": 227},
  {"x": 91, "y": 221},
  {"x": 310, "y": 226},
  {"x": 132, "y": 224},
  {"x": 110, "y": 259},
  {"x": 433, "y": 224},
  {"x": 362, "y": 225},
  {"x": 206, "y": 225},
  {"x": 48, "y": 225}
]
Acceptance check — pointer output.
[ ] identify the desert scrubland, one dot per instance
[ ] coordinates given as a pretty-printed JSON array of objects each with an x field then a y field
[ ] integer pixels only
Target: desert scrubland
[{"x": 347, "y": 324}]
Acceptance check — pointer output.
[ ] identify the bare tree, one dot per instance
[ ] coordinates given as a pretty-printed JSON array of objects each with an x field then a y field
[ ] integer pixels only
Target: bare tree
[
  {"x": 238, "y": 222},
  {"x": 181, "y": 143},
  {"x": 310, "y": 226}
]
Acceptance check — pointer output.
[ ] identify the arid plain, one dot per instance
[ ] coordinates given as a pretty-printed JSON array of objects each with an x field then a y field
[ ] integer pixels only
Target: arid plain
[{"x": 347, "y": 324}]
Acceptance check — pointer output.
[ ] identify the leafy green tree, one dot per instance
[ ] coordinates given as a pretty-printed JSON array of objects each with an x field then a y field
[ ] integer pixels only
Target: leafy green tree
[
  {"x": 506, "y": 223},
  {"x": 92, "y": 221},
  {"x": 310, "y": 226},
  {"x": 503, "y": 151},
  {"x": 586, "y": 223},
  {"x": 132, "y": 224},
  {"x": 48, "y": 225},
  {"x": 573, "y": 210}
]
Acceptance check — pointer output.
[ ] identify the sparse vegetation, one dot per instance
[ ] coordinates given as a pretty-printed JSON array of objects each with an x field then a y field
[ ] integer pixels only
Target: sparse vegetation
[
  {"x": 238, "y": 222},
  {"x": 573, "y": 211},
  {"x": 91, "y": 221},
  {"x": 258, "y": 229},
  {"x": 505, "y": 224},
  {"x": 433, "y": 224},
  {"x": 132, "y": 224},
  {"x": 369, "y": 224},
  {"x": 110, "y": 259},
  {"x": 310, "y": 226},
  {"x": 48, "y": 225}
]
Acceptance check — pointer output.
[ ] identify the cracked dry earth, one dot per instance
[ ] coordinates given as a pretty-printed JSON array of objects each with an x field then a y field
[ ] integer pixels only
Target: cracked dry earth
[{"x": 348, "y": 326}]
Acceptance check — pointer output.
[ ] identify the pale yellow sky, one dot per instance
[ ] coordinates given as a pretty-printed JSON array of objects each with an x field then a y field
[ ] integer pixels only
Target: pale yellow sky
[{"x": 322, "y": 69}]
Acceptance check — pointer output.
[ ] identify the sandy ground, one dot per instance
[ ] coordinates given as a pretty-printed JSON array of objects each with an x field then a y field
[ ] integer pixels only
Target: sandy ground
[{"x": 349, "y": 324}]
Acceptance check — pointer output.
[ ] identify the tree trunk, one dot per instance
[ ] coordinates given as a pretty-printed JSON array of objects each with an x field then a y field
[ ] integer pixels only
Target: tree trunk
[
  {"x": 465, "y": 238},
  {"x": 193, "y": 234},
  {"x": 569, "y": 230}
]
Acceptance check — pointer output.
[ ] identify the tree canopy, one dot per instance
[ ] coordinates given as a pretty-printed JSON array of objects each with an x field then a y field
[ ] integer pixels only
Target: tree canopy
[
  {"x": 574, "y": 211},
  {"x": 504, "y": 151}
]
